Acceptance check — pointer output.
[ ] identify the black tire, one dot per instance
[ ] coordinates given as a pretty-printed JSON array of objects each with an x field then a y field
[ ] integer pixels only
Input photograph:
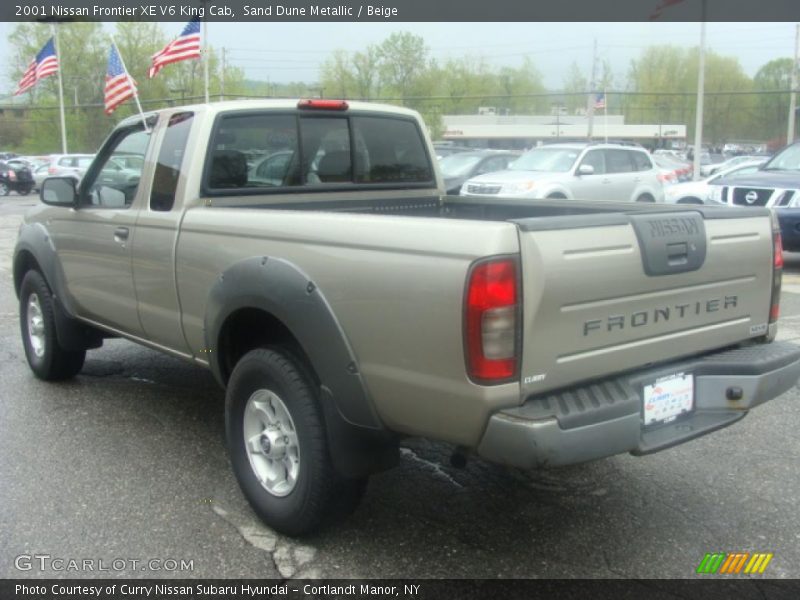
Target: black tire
[
  {"x": 24, "y": 191},
  {"x": 690, "y": 200},
  {"x": 645, "y": 198},
  {"x": 557, "y": 196},
  {"x": 318, "y": 493},
  {"x": 51, "y": 362},
  {"x": 4, "y": 189}
]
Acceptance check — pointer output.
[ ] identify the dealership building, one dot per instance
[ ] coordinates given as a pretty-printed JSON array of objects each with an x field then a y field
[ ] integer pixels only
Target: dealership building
[{"x": 490, "y": 130}]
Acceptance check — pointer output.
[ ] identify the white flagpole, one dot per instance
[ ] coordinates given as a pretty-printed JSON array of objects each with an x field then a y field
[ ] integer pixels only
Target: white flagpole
[
  {"x": 60, "y": 93},
  {"x": 205, "y": 56},
  {"x": 133, "y": 85},
  {"x": 605, "y": 113}
]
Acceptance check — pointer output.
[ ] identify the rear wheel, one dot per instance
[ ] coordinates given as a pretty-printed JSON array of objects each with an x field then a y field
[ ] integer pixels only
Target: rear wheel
[
  {"x": 47, "y": 359},
  {"x": 557, "y": 196},
  {"x": 645, "y": 198},
  {"x": 24, "y": 191},
  {"x": 278, "y": 445},
  {"x": 4, "y": 189},
  {"x": 690, "y": 200}
]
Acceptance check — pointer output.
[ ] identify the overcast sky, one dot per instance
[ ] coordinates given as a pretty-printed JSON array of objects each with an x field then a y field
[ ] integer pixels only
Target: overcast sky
[{"x": 282, "y": 52}]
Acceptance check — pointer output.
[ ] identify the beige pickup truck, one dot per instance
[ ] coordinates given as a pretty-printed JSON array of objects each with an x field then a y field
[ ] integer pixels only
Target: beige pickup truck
[{"x": 305, "y": 253}]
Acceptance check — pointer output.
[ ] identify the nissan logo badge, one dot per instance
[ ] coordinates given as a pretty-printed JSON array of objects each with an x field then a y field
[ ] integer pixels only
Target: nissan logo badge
[{"x": 751, "y": 197}]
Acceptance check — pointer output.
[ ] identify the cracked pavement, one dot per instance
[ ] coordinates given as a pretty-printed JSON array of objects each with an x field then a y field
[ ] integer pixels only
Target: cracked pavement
[{"x": 128, "y": 461}]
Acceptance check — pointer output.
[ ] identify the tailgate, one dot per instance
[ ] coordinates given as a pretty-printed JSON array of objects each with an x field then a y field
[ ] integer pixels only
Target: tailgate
[{"x": 611, "y": 292}]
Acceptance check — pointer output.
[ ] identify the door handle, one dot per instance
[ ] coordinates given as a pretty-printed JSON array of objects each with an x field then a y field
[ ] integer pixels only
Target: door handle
[{"x": 121, "y": 234}]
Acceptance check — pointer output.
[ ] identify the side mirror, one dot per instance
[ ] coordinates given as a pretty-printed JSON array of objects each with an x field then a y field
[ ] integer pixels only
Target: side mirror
[
  {"x": 59, "y": 191},
  {"x": 586, "y": 170}
]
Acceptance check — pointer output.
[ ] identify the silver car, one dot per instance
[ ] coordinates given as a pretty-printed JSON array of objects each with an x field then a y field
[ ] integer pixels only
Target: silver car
[{"x": 612, "y": 172}]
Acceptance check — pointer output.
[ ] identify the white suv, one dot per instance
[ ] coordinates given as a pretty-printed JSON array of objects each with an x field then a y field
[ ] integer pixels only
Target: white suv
[{"x": 612, "y": 172}]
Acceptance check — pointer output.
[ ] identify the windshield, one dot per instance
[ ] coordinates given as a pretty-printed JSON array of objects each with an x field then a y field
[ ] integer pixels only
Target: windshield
[
  {"x": 456, "y": 165},
  {"x": 788, "y": 160},
  {"x": 546, "y": 159}
]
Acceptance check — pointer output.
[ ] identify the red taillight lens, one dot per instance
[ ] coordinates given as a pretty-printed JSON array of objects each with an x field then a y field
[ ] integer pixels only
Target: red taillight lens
[
  {"x": 51, "y": 170},
  {"x": 12, "y": 176},
  {"x": 323, "y": 104},
  {"x": 490, "y": 315},
  {"x": 778, "y": 252}
]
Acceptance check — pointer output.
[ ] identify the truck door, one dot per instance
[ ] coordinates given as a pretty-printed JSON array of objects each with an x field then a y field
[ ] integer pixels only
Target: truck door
[{"x": 94, "y": 241}]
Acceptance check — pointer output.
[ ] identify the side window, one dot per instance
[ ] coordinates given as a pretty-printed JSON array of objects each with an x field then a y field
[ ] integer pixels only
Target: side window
[
  {"x": 116, "y": 188},
  {"x": 389, "y": 151},
  {"x": 170, "y": 159},
  {"x": 641, "y": 161},
  {"x": 243, "y": 143},
  {"x": 595, "y": 159},
  {"x": 326, "y": 150},
  {"x": 618, "y": 161}
]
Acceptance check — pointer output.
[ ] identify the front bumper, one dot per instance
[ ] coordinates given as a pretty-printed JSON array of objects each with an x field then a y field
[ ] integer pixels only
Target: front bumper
[{"x": 605, "y": 417}]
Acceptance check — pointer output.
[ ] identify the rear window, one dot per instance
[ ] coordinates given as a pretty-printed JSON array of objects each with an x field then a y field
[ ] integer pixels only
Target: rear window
[{"x": 259, "y": 151}]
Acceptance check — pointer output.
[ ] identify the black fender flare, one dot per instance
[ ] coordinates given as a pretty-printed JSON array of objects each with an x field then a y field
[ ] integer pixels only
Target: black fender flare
[
  {"x": 34, "y": 240},
  {"x": 281, "y": 289}
]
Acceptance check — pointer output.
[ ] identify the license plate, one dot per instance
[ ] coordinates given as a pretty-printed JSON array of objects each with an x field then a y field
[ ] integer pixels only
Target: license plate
[{"x": 668, "y": 398}]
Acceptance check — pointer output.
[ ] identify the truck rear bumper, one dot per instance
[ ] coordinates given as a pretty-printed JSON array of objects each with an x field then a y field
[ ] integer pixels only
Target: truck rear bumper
[{"x": 605, "y": 418}]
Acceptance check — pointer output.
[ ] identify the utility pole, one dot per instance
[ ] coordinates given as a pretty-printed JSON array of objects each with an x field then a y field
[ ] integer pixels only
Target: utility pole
[
  {"x": 590, "y": 100},
  {"x": 701, "y": 80},
  {"x": 793, "y": 95}
]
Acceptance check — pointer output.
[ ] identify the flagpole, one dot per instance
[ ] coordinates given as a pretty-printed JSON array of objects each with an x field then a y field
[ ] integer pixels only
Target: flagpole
[
  {"x": 60, "y": 93},
  {"x": 605, "y": 113},
  {"x": 206, "y": 55},
  {"x": 135, "y": 90}
]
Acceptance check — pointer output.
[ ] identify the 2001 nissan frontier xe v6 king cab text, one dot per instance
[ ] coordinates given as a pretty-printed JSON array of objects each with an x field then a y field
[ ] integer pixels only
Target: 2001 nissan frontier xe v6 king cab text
[{"x": 305, "y": 253}]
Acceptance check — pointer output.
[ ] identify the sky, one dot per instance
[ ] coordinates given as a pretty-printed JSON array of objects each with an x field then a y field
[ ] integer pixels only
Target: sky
[{"x": 283, "y": 52}]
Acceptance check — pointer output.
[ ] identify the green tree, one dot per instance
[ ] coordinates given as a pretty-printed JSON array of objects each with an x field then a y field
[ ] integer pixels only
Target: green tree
[{"x": 773, "y": 109}]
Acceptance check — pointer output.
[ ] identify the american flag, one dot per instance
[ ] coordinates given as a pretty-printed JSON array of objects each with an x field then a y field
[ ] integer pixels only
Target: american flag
[
  {"x": 119, "y": 85},
  {"x": 661, "y": 6},
  {"x": 185, "y": 46},
  {"x": 45, "y": 63},
  {"x": 600, "y": 100}
]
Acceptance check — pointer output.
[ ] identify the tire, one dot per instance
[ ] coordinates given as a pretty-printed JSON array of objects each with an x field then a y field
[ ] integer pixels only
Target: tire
[
  {"x": 557, "y": 196},
  {"x": 47, "y": 359},
  {"x": 690, "y": 200},
  {"x": 24, "y": 191},
  {"x": 645, "y": 198},
  {"x": 4, "y": 189},
  {"x": 278, "y": 445}
]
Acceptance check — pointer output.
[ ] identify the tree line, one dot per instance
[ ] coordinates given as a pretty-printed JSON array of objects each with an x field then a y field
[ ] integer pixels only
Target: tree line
[{"x": 658, "y": 87}]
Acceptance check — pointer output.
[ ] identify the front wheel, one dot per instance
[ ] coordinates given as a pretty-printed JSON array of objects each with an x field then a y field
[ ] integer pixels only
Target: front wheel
[
  {"x": 4, "y": 189},
  {"x": 24, "y": 191},
  {"x": 277, "y": 443},
  {"x": 47, "y": 359}
]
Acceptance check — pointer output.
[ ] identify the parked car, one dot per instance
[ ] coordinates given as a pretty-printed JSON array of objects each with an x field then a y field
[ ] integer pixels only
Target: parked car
[
  {"x": 776, "y": 185},
  {"x": 15, "y": 178},
  {"x": 725, "y": 165},
  {"x": 672, "y": 169},
  {"x": 448, "y": 150},
  {"x": 39, "y": 175},
  {"x": 583, "y": 171},
  {"x": 702, "y": 191},
  {"x": 457, "y": 168},
  {"x": 73, "y": 165}
]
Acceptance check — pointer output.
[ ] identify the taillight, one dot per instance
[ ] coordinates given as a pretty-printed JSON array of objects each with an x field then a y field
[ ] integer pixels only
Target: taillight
[
  {"x": 323, "y": 104},
  {"x": 777, "y": 269},
  {"x": 12, "y": 176},
  {"x": 51, "y": 170},
  {"x": 491, "y": 315}
]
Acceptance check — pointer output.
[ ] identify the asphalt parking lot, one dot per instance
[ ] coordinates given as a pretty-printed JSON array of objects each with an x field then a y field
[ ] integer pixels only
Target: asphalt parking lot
[{"x": 128, "y": 462}]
